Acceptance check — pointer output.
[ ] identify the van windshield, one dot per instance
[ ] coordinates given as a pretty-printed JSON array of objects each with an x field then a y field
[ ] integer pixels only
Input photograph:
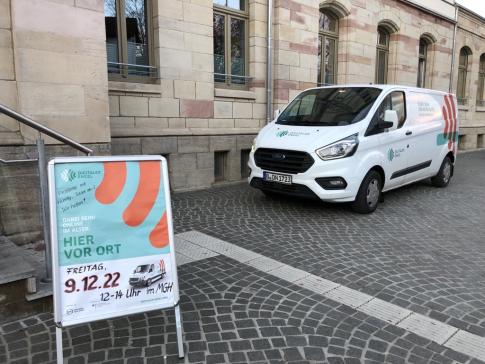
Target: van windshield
[
  {"x": 333, "y": 106},
  {"x": 142, "y": 268}
]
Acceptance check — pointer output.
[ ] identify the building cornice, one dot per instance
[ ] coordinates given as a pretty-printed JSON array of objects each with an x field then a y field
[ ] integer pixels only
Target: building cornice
[
  {"x": 465, "y": 11},
  {"x": 430, "y": 11}
]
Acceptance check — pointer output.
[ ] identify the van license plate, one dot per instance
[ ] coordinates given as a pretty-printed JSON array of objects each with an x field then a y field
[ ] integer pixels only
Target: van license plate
[{"x": 276, "y": 177}]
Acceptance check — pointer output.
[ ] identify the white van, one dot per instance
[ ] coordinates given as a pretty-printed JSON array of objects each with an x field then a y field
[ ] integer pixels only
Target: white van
[
  {"x": 351, "y": 143},
  {"x": 146, "y": 274}
]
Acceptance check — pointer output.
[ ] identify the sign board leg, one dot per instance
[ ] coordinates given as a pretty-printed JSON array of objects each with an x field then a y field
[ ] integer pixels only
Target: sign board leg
[
  {"x": 60, "y": 354},
  {"x": 178, "y": 325}
]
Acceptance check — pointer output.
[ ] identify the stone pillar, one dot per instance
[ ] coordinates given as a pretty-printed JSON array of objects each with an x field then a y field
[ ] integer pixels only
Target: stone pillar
[
  {"x": 185, "y": 53},
  {"x": 60, "y": 66},
  {"x": 9, "y": 128}
]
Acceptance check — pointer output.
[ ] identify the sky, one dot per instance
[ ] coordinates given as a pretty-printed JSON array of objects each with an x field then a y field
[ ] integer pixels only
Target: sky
[{"x": 478, "y": 6}]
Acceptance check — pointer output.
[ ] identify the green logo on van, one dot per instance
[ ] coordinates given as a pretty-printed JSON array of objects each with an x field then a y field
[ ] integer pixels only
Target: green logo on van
[
  {"x": 283, "y": 133},
  {"x": 390, "y": 154},
  {"x": 394, "y": 153}
]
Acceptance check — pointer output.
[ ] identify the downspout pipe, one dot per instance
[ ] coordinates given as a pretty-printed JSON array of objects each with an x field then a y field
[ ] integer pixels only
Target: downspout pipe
[
  {"x": 269, "y": 65},
  {"x": 453, "y": 51}
]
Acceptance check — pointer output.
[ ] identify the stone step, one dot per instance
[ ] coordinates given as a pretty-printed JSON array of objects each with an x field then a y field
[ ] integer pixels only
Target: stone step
[
  {"x": 44, "y": 290},
  {"x": 16, "y": 269},
  {"x": 14, "y": 265}
]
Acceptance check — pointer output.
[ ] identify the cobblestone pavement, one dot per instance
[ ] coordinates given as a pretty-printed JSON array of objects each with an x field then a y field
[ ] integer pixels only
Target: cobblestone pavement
[
  {"x": 423, "y": 249},
  {"x": 232, "y": 313}
]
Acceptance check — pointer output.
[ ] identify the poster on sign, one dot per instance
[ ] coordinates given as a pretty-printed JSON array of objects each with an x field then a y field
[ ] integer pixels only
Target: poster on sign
[{"x": 112, "y": 238}]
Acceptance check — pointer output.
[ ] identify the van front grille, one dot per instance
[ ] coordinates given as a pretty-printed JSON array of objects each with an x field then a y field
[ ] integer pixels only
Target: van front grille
[
  {"x": 282, "y": 160},
  {"x": 294, "y": 189}
]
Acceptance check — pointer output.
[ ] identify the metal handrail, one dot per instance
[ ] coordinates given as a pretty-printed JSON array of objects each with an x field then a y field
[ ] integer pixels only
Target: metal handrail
[
  {"x": 132, "y": 69},
  {"x": 132, "y": 65},
  {"x": 45, "y": 130},
  {"x": 42, "y": 164},
  {"x": 234, "y": 76},
  {"x": 14, "y": 161}
]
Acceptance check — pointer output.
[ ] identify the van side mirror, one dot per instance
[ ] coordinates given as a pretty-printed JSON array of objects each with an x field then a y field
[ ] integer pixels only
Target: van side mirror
[
  {"x": 390, "y": 120},
  {"x": 276, "y": 113}
]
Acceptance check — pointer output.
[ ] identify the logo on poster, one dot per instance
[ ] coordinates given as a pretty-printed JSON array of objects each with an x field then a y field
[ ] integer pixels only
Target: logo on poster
[{"x": 68, "y": 175}]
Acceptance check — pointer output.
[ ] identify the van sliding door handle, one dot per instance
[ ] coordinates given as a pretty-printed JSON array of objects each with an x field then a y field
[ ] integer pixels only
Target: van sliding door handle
[{"x": 409, "y": 132}]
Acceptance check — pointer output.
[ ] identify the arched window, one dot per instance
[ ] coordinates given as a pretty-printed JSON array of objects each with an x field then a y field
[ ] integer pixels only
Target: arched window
[
  {"x": 327, "y": 49},
  {"x": 465, "y": 53},
  {"x": 481, "y": 82},
  {"x": 382, "y": 59},
  {"x": 422, "y": 62}
]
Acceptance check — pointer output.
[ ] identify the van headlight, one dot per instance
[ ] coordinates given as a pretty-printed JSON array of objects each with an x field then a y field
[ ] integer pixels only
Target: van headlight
[
  {"x": 253, "y": 146},
  {"x": 341, "y": 149}
]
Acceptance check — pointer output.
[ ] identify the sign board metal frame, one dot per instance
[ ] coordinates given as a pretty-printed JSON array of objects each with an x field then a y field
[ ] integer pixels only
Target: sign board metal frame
[{"x": 57, "y": 284}]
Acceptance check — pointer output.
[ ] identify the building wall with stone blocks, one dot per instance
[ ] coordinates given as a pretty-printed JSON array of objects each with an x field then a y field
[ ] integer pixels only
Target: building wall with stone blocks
[
  {"x": 53, "y": 68},
  {"x": 56, "y": 66},
  {"x": 185, "y": 115},
  {"x": 471, "y": 34},
  {"x": 296, "y": 48},
  {"x": 9, "y": 129},
  {"x": 20, "y": 210}
]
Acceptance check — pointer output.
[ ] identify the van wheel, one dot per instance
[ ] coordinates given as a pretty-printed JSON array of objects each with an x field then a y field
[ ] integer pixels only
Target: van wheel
[
  {"x": 149, "y": 282},
  {"x": 369, "y": 193},
  {"x": 442, "y": 179}
]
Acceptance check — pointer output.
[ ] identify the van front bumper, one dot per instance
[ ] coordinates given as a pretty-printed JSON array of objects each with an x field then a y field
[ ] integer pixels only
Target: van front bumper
[{"x": 306, "y": 185}]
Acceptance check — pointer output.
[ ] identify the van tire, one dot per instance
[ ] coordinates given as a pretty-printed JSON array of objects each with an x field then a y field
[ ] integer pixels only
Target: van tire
[
  {"x": 443, "y": 178},
  {"x": 149, "y": 282},
  {"x": 370, "y": 186}
]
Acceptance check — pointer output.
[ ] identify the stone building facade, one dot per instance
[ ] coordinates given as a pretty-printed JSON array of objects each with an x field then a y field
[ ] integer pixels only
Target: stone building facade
[
  {"x": 470, "y": 62},
  {"x": 187, "y": 79}
]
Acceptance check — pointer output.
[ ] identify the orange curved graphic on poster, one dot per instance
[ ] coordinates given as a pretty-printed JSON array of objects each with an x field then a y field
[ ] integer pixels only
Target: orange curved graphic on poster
[
  {"x": 146, "y": 194},
  {"x": 111, "y": 186},
  {"x": 159, "y": 234}
]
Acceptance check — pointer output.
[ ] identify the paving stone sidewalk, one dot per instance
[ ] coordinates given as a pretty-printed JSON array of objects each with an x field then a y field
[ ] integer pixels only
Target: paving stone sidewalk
[
  {"x": 423, "y": 249},
  {"x": 232, "y": 313}
]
